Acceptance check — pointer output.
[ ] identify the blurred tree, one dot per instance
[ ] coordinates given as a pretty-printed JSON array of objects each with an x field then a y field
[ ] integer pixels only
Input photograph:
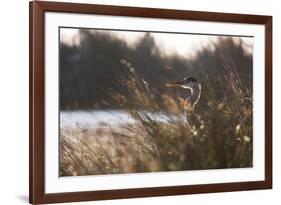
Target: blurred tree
[{"x": 90, "y": 69}]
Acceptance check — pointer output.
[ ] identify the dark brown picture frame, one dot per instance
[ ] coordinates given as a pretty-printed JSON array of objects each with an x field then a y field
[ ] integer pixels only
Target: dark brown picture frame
[{"x": 37, "y": 10}]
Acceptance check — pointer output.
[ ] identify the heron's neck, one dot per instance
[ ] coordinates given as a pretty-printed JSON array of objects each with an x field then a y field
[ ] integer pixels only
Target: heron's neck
[{"x": 195, "y": 94}]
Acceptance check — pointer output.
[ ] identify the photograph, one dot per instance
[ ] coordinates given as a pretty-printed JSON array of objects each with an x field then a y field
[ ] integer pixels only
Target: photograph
[
  {"x": 136, "y": 101},
  {"x": 129, "y": 102}
]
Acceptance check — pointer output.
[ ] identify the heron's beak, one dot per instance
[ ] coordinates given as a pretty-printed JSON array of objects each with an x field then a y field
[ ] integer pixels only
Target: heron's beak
[{"x": 174, "y": 84}]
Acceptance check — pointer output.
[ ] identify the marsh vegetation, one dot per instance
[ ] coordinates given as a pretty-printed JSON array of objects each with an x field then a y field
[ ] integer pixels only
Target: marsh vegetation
[{"x": 134, "y": 124}]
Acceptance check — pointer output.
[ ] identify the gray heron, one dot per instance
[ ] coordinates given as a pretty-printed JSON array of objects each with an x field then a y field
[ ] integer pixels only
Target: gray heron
[{"x": 192, "y": 97}]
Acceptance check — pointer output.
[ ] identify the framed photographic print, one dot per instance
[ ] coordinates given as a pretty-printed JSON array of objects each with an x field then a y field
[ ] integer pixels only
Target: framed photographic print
[{"x": 139, "y": 102}]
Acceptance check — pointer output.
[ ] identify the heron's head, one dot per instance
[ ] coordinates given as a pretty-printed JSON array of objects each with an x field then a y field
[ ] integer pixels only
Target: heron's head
[
  {"x": 191, "y": 84},
  {"x": 187, "y": 83}
]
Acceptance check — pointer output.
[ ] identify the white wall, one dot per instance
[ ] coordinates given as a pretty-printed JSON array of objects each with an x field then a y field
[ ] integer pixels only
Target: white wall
[{"x": 14, "y": 100}]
